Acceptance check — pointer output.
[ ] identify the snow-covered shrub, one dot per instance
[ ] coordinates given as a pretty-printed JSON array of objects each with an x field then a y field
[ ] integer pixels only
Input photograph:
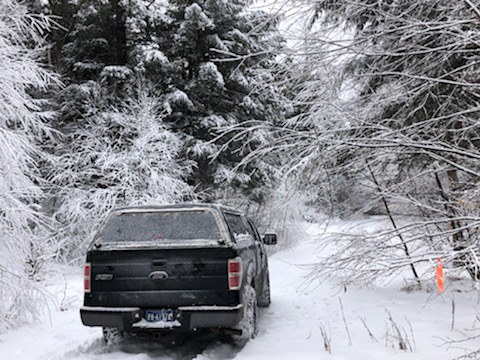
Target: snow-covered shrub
[{"x": 118, "y": 156}]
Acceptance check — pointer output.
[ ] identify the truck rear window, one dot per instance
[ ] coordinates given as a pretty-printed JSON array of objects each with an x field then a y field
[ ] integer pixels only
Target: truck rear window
[{"x": 158, "y": 226}]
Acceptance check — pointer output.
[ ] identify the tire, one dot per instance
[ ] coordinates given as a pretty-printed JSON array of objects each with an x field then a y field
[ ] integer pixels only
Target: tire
[
  {"x": 248, "y": 324},
  {"x": 112, "y": 335},
  {"x": 264, "y": 298}
]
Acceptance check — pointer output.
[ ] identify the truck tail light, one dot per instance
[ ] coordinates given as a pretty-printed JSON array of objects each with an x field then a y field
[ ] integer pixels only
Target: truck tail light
[
  {"x": 87, "y": 276},
  {"x": 235, "y": 273}
]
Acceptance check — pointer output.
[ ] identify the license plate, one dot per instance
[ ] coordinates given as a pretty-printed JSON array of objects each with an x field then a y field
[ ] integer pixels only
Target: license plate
[{"x": 164, "y": 315}]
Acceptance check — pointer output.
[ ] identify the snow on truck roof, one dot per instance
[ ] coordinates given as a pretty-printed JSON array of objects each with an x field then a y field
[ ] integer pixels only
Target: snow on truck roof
[{"x": 183, "y": 207}]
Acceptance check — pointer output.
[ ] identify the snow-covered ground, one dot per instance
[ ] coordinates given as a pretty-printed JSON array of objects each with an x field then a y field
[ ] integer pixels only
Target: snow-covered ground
[{"x": 291, "y": 328}]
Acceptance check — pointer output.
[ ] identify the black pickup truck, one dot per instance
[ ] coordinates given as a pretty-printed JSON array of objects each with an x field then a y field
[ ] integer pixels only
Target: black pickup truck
[{"x": 158, "y": 269}]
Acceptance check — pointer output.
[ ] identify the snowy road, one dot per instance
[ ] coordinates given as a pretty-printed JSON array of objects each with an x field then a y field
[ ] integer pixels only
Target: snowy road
[{"x": 289, "y": 329}]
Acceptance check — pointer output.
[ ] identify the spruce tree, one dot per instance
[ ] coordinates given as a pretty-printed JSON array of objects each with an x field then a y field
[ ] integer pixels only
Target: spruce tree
[
  {"x": 98, "y": 40},
  {"x": 221, "y": 55}
]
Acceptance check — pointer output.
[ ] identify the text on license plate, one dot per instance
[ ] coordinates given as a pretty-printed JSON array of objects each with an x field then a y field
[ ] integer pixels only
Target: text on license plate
[{"x": 159, "y": 315}]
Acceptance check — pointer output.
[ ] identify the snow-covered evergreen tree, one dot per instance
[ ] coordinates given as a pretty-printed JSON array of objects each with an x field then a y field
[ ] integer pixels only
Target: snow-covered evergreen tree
[
  {"x": 24, "y": 232},
  {"x": 221, "y": 56},
  {"x": 97, "y": 40}
]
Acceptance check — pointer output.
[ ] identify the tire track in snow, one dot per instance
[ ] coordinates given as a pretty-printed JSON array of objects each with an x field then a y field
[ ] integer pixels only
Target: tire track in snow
[{"x": 201, "y": 347}]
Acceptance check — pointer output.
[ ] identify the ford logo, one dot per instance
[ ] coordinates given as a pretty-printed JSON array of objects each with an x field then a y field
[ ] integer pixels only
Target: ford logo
[{"x": 158, "y": 275}]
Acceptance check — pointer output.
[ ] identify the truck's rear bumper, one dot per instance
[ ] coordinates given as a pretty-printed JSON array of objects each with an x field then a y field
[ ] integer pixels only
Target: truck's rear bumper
[{"x": 187, "y": 318}]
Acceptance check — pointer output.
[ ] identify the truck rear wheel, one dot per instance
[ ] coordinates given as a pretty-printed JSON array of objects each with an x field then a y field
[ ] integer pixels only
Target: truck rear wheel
[
  {"x": 264, "y": 298},
  {"x": 248, "y": 324}
]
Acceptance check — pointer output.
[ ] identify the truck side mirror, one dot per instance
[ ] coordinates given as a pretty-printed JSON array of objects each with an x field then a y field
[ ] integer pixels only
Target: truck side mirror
[{"x": 270, "y": 239}]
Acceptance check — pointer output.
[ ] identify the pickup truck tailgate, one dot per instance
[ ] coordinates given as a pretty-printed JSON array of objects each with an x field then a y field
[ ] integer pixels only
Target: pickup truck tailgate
[{"x": 160, "y": 278}]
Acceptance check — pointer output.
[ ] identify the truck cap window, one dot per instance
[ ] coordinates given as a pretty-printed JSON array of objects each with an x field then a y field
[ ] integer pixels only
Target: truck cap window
[
  {"x": 236, "y": 224},
  {"x": 160, "y": 226}
]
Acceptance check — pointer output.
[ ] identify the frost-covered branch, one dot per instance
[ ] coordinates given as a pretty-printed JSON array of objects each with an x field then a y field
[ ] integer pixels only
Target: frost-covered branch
[
  {"x": 394, "y": 85},
  {"x": 25, "y": 237}
]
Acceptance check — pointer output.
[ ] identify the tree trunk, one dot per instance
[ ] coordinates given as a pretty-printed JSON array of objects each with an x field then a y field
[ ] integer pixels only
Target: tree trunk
[{"x": 392, "y": 220}]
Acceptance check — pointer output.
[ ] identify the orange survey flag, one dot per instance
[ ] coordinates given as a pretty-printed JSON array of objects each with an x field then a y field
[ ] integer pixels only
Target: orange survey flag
[{"x": 440, "y": 276}]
